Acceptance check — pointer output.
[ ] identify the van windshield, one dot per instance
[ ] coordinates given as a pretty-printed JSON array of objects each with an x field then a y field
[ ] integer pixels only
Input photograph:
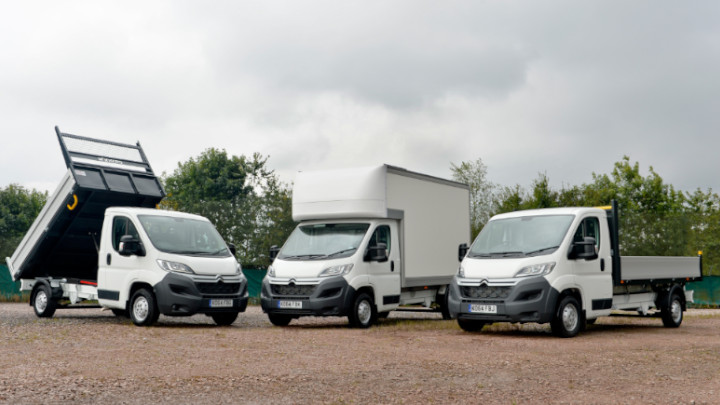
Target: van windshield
[
  {"x": 184, "y": 236},
  {"x": 323, "y": 241},
  {"x": 522, "y": 236}
]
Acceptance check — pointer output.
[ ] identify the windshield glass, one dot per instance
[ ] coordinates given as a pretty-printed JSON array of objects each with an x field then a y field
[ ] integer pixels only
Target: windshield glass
[
  {"x": 523, "y": 236},
  {"x": 322, "y": 241},
  {"x": 184, "y": 236}
]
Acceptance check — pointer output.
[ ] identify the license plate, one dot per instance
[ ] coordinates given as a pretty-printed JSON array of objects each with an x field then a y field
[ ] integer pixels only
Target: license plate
[
  {"x": 482, "y": 309},
  {"x": 221, "y": 303},
  {"x": 290, "y": 304}
]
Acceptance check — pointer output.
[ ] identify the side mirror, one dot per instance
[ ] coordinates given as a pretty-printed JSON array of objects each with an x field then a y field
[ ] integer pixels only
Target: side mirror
[
  {"x": 377, "y": 253},
  {"x": 131, "y": 245},
  {"x": 583, "y": 250},
  {"x": 232, "y": 248},
  {"x": 462, "y": 251},
  {"x": 274, "y": 250}
]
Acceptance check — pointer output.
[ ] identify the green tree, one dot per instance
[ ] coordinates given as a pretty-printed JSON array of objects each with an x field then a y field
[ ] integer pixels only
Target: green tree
[
  {"x": 245, "y": 201},
  {"x": 18, "y": 209},
  {"x": 474, "y": 174}
]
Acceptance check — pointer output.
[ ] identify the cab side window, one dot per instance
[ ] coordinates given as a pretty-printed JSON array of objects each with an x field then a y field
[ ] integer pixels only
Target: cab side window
[
  {"x": 122, "y": 226},
  {"x": 588, "y": 227},
  {"x": 381, "y": 235}
]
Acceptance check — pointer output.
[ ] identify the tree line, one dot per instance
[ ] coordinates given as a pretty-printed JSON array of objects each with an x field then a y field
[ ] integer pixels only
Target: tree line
[{"x": 251, "y": 207}]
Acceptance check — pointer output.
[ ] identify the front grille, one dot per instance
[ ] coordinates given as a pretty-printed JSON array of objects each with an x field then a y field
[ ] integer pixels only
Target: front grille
[
  {"x": 300, "y": 290},
  {"x": 486, "y": 292},
  {"x": 218, "y": 288}
]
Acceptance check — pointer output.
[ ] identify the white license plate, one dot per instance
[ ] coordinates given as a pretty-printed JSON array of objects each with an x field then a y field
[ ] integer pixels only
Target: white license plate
[
  {"x": 482, "y": 309},
  {"x": 221, "y": 303},
  {"x": 290, "y": 304}
]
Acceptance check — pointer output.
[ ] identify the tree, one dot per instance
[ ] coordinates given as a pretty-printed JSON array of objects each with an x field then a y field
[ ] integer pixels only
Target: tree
[
  {"x": 245, "y": 201},
  {"x": 474, "y": 174},
  {"x": 18, "y": 209}
]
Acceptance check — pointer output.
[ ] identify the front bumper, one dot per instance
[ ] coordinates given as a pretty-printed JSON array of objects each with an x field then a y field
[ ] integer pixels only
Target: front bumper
[
  {"x": 181, "y": 295},
  {"x": 529, "y": 299},
  {"x": 318, "y": 297}
]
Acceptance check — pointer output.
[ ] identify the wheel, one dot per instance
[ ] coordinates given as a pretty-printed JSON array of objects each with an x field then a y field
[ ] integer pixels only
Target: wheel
[
  {"x": 122, "y": 313},
  {"x": 568, "y": 318},
  {"x": 224, "y": 318},
  {"x": 363, "y": 313},
  {"x": 470, "y": 325},
  {"x": 43, "y": 303},
  {"x": 444, "y": 304},
  {"x": 143, "y": 309},
  {"x": 279, "y": 320},
  {"x": 672, "y": 314}
]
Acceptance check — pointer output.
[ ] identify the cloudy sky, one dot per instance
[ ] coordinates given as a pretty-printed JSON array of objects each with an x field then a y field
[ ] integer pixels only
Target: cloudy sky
[{"x": 560, "y": 87}]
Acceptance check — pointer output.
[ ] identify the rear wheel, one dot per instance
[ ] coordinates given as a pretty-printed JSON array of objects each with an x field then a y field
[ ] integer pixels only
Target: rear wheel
[
  {"x": 444, "y": 304},
  {"x": 363, "y": 313},
  {"x": 568, "y": 318},
  {"x": 470, "y": 325},
  {"x": 279, "y": 320},
  {"x": 43, "y": 302},
  {"x": 224, "y": 318},
  {"x": 143, "y": 308},
  {"x": 672, "y": 314}
]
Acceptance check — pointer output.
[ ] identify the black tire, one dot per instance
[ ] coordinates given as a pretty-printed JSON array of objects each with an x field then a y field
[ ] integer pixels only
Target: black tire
[
  {"x": 143, "y": 308},
  {"x": 567, "y": 320},
  {"x": 43, "y": 302},
  {"x": 470, "y": 325},
  {"x": 444, "y": 304},
  {"x": 279, "y": 320},
  {"x": 224, "y": 318},
  {"x": 120, "y": 313},
  {"x": 364, "y": 313},
  {"x": 672, "y": 314}
]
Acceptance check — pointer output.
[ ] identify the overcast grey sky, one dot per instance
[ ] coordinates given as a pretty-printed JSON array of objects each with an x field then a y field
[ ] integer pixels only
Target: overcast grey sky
[{"x": 561, "y": 87}]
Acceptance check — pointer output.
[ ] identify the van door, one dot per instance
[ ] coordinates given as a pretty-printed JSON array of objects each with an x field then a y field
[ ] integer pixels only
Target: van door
[
  {"x": 385, "y": 276},
  {"x": 594, "y": 276},
  {"x": 114, "y": 270}
]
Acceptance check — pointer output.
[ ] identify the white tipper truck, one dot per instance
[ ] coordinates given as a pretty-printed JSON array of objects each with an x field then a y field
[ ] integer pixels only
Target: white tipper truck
[
  {"x": 563, "y": 266},
  {"x": 370, "y": 240},
  {"x": 100, "y": 238}
]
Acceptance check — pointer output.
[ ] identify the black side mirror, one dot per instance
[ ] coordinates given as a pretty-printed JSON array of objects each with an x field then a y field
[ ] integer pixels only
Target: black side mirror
[
  {"x": 377, "y": 253},
  {"x": 274, "y": 250},
  {"x": 583, "y": 250},
  {"x": 232, "y": 248},
  {"x": 462, "y": 251},
  {"x": 131, "y": 245}
]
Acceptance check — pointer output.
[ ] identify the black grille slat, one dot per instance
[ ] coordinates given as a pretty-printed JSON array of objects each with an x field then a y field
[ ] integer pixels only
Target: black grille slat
[
  {"x": 218, "y": 288},
  {"x": 293, "y": 290},
  {"x": 486, "y": 292}
]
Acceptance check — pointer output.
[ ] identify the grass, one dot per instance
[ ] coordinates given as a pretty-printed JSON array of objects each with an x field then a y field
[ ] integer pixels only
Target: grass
[{"x": 22, "y": 297}]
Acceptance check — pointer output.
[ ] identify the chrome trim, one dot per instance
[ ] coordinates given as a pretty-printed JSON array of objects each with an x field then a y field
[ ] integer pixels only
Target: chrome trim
[
  {"x": 296, "y": 281},
  {"x": 490, "y": 282}
]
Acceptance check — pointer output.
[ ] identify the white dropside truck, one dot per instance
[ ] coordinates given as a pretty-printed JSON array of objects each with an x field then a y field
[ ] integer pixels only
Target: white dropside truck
[
  {"x": 562, "y": 265},
  {"x": 97, "y": 238},
  {"x": 369, "y": 240}
]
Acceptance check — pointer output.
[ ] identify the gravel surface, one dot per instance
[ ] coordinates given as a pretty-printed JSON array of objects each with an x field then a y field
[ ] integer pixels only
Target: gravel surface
[{"x": 90, "y": 356}]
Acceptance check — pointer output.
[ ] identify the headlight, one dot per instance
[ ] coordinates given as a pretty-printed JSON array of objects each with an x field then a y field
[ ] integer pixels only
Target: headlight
[
  {"x": 536, "y": 270},
  {"x": 461, "y": 272},
  {"x": 336, "y": 270},
  {"x": 271, "y": 271},
  {"x": 238, "y": 269},
  {"x": 174, "y": 267}
]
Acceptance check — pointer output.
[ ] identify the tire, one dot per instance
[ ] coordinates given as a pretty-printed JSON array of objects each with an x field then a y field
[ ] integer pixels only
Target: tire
[
  {"x": 224, "y": 318},
  {"x": 672, "y": 314},
  {"x": 364, "y": 313},
  {"x": 444, "y": 304},
  {"x": 567, "y": 320},
  {"x": 43, "y": 302},
  {"x": 470, "y": 325},
  {"x": 279, "y": 320},
  {"x": 120, "y": 313},
  {"x": 143, "y": 308}
]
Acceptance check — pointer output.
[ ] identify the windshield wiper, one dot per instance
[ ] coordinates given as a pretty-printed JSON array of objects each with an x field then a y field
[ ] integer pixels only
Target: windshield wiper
[
  {"x": 309, "y": 256},
  {"x": 340, "y": 252},
  {"x": 506, "y": 254},
  {"x": 532, "y": 252}
]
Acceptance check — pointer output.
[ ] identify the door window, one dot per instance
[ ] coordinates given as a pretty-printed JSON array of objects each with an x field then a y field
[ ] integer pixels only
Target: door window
[
  {"x": 589, "y": 227},
  {"x": 122, "y": 226},
  {"x": 381, "y": 235}
]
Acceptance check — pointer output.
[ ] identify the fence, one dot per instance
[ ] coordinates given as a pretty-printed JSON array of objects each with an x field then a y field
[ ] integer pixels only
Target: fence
[{"x": 707, "y": 291}]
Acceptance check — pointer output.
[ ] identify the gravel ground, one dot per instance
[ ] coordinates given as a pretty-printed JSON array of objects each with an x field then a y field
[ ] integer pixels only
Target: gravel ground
[{"x": 89, "y": 356}]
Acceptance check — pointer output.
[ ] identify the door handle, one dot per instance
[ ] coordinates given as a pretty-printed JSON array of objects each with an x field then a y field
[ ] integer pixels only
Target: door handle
[
  {"x": 602, "y": 264},
  {"x": 392, "y": 265},
  {"x": 108, "y": 259}
]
